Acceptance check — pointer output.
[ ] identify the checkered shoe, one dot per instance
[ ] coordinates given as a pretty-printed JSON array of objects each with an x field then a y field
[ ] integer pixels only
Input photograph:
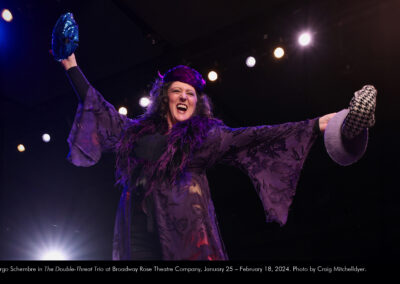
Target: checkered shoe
[{"x": 361, "y": 112}]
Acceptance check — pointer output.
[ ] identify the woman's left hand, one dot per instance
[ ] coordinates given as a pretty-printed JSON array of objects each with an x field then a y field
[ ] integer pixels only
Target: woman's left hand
[{"x": 323, "y": 121}]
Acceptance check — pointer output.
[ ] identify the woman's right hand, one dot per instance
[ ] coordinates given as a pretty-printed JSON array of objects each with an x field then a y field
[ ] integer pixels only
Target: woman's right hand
[{"x": 69, "y": 62}]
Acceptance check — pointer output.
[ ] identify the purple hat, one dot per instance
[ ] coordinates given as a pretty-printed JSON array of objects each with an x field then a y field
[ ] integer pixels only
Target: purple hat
[
  {"x": 186, "y": 75},
  {"x": 342, "y": 150}
]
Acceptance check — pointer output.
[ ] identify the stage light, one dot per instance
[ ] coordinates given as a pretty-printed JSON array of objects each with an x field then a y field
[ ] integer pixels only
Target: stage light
[
  {"x": 212, "y": 76},
  {"x": 279, "y": 52},
  {"x": 304, "y": 39},
  {"x": 46, "y": 238},
  {"x": 46, "y": 138},
  {"x": 144, "y": 102},
  {"x": 21, "y": 148},
  {"x": 6, "y": 15},
  {"x": 53, "y": 255},
  {"x": 250, "y": 61},
  {"x": 123, "y": 110}
]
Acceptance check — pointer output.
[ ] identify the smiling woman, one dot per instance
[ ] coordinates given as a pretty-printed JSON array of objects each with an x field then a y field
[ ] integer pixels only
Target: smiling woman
[
  {"x": 182, "y": 101},
  {"x": 165, "y": 210}
]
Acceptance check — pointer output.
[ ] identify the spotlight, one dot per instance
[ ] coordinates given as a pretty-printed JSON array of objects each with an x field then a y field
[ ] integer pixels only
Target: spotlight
[
  {"x": 304, "y": 39},
  {"x": 250, "y": 61},
  {"x": 123, "y": 110},
  {"x": 144, "y": 102},
  {"x": 212, "y": 76},
  {"x": 279, "y": 52},
  {"x": 53, "y": 255},
  {"x": 6, "y": 15},
  {"x": 46, "y": 138},
  {"x": 21, "y": 148}
]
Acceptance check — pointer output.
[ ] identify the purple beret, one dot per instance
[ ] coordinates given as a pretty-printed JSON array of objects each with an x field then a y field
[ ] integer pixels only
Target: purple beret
[{"x": 186, "y": 75}]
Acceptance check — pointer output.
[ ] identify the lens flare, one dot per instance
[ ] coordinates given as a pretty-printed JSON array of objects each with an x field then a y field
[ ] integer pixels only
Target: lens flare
[
  {"x": 212, "y": 76},
  {"x": 21, "y": 148},
  {"x": 6, "y": 15},
  {"x": 250, "y": 61},
  {"x": 54, "y": 255},
  {"x": 46, "y": 138},
  {"x": 279, "y": 52},
  {"x": 144, "y": 102},
  {"x": 123, "y": 110},
  {"x": 304, "y": 39}
]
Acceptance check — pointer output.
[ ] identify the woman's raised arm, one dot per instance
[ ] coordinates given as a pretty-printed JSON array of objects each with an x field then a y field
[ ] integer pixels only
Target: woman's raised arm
[{"x": 69, "y": 62}]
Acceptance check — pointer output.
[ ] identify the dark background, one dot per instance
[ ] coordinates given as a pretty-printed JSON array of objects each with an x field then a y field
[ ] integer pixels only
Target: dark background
[{"x": 339, "y": 213}]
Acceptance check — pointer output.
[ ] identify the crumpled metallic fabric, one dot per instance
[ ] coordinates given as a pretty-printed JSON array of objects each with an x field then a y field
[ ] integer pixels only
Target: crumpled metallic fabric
[{"x": 65, "y": 37}]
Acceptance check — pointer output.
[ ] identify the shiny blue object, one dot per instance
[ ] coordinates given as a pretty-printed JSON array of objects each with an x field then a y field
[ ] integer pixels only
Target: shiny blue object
[{"x": 65, "y": 37}]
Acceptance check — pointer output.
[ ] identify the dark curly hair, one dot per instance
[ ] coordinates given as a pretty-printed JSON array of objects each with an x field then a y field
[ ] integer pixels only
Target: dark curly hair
[
  {"x": 159, "y": 107},
  {"x": 157, "y": 114}
]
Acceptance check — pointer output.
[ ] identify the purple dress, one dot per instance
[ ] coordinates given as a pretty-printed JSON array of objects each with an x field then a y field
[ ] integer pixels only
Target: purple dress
[{"x": 272, "y": 156}]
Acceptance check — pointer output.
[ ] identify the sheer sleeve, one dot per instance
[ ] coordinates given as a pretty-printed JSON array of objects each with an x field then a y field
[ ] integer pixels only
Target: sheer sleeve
[
  {"x": 97, "y": 127},
  {"x": 272, "y": 156}
]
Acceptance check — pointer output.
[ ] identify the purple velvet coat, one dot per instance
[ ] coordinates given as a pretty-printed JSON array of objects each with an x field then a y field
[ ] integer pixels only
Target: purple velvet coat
[{"x": 272, "y": 156}]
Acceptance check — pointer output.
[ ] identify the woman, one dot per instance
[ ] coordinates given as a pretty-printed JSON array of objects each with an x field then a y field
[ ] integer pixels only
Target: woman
[
  {"x": 177, "y": 209},
  {"x": 165, "y": 211}
]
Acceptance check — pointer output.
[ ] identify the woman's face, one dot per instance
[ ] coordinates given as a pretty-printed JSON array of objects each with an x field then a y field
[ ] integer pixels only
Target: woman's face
[{"x": 182, "y": 100}]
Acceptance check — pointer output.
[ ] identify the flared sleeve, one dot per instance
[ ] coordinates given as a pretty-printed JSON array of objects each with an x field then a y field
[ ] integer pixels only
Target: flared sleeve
[
  {"x": 272, "y": 156},
  {"x": 97, "y": 128}
]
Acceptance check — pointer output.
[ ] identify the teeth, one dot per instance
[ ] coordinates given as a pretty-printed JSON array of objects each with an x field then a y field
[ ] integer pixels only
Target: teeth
[{"x": 182, "y": 106}]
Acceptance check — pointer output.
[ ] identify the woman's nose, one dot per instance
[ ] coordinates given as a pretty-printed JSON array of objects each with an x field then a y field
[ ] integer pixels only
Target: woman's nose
[{"x": 183, "y": 97}]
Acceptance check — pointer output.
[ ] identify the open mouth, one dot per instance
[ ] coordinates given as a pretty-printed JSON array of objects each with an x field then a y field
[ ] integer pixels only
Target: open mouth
[{"x": 182, "y": 108}]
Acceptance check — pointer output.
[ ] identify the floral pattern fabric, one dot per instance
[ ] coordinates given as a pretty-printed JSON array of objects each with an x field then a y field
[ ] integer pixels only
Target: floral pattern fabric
[{"x": 271, "y": 155}]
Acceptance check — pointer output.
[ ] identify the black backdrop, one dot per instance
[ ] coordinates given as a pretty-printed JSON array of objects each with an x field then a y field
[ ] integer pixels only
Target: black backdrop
[{"x": 339, "y": 213}]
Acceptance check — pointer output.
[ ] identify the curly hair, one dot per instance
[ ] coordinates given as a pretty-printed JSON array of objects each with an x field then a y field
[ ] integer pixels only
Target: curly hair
[
  {"x": 159, "y": 107},
  {"x": 157, "y": 114}
]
